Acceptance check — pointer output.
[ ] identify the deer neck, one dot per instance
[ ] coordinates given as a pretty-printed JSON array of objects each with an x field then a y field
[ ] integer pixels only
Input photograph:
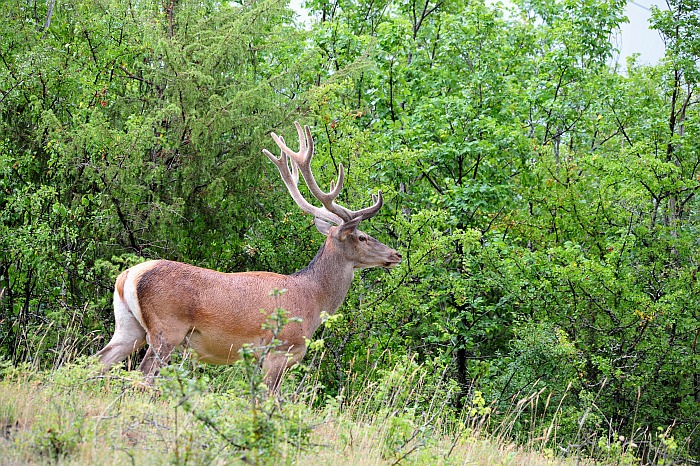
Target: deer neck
[{"x": 329, "y": 275}]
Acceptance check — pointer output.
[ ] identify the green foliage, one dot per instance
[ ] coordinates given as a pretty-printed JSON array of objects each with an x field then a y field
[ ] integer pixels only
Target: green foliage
[
  {"x": 259, "y": 430},
  {"x": 264, "y": 428},
  {"x": 545, "y": 204},
  {"x": 128, "y": 129},
  {"x": 576, "y": 188}
]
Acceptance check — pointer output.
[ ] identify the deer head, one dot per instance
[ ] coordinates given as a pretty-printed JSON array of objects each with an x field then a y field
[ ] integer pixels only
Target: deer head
[{"x": 358, "y": 247}]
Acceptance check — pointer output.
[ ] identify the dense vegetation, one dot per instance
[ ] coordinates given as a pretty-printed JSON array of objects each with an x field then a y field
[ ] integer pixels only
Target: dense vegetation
[{"x": 544, "y": 197}]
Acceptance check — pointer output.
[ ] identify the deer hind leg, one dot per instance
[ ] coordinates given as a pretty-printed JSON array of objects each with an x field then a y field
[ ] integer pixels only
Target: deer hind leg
[
  {"x": 163, "y": 338},
  {"x": 128, "y": 336},
  {"x": 160, "y": 349},
  {"x": 273, "y": 368}
]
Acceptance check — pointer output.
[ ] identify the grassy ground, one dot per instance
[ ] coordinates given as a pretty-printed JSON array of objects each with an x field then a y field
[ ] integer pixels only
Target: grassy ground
[{"x": 76, "y": 415}]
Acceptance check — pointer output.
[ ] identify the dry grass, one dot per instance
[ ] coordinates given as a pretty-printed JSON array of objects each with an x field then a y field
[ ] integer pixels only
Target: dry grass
[
  {"x": 360, "y": 444},
  {"x": 75, "y": 416},
  {"x": 66, "y": 423}
]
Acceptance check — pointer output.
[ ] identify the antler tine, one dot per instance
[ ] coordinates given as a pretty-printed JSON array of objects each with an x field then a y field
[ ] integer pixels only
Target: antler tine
[
  {"x": 371, "y": 211},
  {"x": 303, "y": 157},
  {"x": 291, "y": 180},
  {"x": 327, "y": 199},
  {"x": 301, "y": 162},
  {"x": 306, "y": 143},
  {"x": 294, "y": 170}
]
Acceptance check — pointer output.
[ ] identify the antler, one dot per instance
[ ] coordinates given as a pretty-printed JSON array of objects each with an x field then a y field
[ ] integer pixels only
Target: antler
[{"x": 301, "y": 162}]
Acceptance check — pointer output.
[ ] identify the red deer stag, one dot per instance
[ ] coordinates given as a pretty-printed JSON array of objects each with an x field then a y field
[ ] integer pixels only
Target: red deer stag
[{"x": 167, "y": 304}]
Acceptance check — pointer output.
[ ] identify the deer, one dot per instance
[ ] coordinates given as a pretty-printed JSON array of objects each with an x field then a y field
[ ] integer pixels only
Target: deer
[{"x": 169, "y": 305}]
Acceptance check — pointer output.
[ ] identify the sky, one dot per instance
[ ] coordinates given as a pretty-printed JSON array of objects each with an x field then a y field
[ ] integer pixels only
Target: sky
[{"x": 634, "y": 37}]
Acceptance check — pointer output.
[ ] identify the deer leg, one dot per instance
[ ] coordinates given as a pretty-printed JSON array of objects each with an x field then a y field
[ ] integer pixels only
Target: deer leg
[
  {"x": 273, "y": 368},
  {"x": 128, "y": 336},
  {"x": 157, "y": 355},
  {"x": 276, "y": 363}
]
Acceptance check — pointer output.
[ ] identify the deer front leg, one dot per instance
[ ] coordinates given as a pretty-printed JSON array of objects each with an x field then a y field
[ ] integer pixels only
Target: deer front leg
[
  {"x": 276, "y": 363},
  {"x": 273, "y": 368}
]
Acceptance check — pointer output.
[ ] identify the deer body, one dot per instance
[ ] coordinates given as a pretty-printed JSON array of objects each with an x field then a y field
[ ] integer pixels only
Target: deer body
[{"x": 168, "y": 304}]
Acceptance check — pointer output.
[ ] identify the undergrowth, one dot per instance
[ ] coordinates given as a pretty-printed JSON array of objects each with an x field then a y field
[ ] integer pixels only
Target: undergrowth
[
  {"x": 77, "y": 415},
  {"x": 199, "y": 414}
]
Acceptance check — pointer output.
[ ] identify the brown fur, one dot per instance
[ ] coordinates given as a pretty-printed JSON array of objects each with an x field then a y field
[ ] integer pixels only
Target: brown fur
[
  {"x": 119, "y": 284},
  {"x": 217, "y": 313}
]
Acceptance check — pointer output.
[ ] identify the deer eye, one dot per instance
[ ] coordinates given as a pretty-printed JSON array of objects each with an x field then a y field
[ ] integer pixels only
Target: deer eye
[{"x": 362, "y": 238}]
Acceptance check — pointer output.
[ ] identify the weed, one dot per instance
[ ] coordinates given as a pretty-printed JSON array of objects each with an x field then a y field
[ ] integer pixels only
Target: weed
[{"x": 255, "y": 424}]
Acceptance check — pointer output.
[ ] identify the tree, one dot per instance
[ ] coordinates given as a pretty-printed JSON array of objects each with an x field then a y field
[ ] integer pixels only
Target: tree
[{"x": 130, "y": 130}]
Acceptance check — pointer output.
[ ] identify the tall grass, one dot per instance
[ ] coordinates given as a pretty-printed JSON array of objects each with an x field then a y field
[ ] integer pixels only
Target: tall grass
[
  {"x": 196, "y": 414},
  {"x": 76, "y": 415}
]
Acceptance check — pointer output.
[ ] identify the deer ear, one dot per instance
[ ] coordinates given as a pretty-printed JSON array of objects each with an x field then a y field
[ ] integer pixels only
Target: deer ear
[
  {"x": 348, "y": 227},
  {"x": 322, "y": 226}
]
